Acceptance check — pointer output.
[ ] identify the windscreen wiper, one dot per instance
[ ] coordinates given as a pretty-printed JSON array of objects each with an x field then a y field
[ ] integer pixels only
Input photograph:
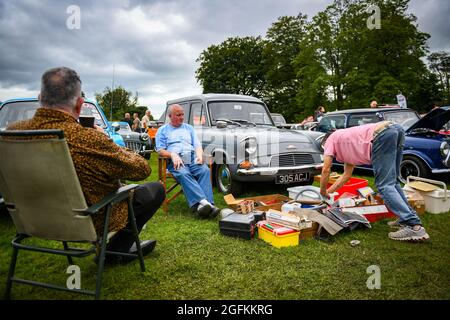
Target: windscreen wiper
[
  {"x": 229, "y": 121},
  {"x": 244, "y": 121}
]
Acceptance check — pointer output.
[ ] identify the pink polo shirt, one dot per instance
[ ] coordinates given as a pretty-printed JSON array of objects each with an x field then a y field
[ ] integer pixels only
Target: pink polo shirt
[{"x": 351, "y": 145}]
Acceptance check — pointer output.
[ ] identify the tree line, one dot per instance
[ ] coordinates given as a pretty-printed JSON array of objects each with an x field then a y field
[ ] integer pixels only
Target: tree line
[
  {"x": 334, "y": 59},
  {"x": 116, "y": 102}
]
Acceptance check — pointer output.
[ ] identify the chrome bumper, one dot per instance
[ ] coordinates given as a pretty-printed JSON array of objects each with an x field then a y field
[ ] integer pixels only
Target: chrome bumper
[{"x": 269, "y": 171}]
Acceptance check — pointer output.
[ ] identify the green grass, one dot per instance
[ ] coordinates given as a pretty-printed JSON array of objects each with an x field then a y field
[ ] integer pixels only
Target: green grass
[{"x": 193, "y": 260}]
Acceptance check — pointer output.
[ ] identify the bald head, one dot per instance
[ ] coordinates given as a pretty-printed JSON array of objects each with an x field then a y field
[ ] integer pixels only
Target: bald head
[{"x": 176, "y": 115}]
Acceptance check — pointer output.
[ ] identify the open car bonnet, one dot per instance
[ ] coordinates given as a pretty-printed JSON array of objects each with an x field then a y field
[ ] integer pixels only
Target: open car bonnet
[{"x": 434, "y": 120}]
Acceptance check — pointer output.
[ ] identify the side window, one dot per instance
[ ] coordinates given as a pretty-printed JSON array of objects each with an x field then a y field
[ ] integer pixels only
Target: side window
[
  {"x": 187, "y": 109},
  {"x": 331, "y": 123},
  {"x": 198, "y": 114},
  {"x": 360, "y": 119}
]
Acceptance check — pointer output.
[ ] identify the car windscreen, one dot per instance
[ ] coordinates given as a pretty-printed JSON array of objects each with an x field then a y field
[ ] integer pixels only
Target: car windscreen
[
  {"x": 90, "y": 109},
  {"x": 239, "y": 110},
  {"x": 24, "y": 110},
  {"x": 17, "y": 111},
  {"x": 125, "y": 127},
  {"x": 405, "y": 118}
]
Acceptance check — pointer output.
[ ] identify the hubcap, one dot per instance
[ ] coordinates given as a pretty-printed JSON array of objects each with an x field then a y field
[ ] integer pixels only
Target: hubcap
[
  {"x": 224, "y": 178},
  {"x": 409, "y": 168}
]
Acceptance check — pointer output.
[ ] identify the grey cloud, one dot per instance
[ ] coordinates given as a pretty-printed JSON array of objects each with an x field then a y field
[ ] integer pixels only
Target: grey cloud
[{"x": 153, "y": 45}]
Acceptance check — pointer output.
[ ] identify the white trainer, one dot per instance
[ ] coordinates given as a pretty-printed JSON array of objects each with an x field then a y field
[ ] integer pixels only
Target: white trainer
[{"x": 408, "y": 233}]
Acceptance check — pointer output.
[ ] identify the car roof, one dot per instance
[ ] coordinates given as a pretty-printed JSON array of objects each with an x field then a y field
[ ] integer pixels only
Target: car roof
[
  {"x": 216, "y": 97},
  {"x": 33, "y": 99},
  {"x": 367, "y": 110}
]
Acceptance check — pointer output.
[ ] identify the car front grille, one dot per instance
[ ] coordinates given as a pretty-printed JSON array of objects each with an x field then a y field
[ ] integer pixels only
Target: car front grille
[
  {"x": 135, "y": 146},
  {"x": 290, "y": 160}
]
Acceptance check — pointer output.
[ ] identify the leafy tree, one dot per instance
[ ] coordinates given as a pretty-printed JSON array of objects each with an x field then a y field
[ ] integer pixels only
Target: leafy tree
[
  {"x": 362, "y": 64},
  {"x": 282, "y": 46},
  {"x": 439, "y": 63},
  {"x": 234, "y": 66},
  {"x": 117, "y": 102}
]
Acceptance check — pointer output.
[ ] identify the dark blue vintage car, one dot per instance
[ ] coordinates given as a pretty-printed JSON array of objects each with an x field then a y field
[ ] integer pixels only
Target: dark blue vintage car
[{"x": 426, "y": 149}]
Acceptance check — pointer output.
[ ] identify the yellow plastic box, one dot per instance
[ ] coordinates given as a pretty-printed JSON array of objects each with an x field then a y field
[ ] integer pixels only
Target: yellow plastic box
[{"x": 278, "y": 241}]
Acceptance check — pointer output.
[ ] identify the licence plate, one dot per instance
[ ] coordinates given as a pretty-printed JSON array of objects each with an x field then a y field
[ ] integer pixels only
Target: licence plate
[{"x": 290, "y": 178}]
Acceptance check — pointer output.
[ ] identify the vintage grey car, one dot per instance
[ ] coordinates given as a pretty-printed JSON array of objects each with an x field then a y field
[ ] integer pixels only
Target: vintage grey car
[{"x": 240, "y": 136}]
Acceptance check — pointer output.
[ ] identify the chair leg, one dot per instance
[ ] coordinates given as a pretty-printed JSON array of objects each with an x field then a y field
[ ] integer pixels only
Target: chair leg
[
  {"x": 132, "y": 219},
  {"x": 69, "y": 258},
  {"x": 101, "y": 258},
  {"x": 12, "y": 268}
]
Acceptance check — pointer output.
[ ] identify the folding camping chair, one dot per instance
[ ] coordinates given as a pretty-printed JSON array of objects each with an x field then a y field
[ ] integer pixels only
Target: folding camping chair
[
  {"x": 45, "y": 200},
  {"x": 170, "y": 184}
]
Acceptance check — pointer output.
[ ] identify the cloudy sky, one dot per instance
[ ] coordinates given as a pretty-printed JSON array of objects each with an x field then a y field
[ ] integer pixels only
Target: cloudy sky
[{"x": 152, "y": 44}]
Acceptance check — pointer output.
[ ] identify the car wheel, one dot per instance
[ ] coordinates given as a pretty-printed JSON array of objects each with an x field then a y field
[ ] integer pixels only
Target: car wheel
[
  {"x": 412, "y": 166},
  {"x": 225, "y": 182}
]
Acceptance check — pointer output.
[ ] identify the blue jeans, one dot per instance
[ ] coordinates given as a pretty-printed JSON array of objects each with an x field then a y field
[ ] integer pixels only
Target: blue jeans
[
  {"x": 195, "y": 180},
  {"x": 387, "y": 153}
]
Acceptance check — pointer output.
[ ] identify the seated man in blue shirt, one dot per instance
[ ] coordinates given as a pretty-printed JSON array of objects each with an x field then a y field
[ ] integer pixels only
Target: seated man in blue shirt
[{"x": 178, "y": 141}]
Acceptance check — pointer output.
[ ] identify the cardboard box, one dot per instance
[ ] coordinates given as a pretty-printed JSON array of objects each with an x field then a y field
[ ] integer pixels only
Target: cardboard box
[
  {"x": 262, "y": 203},
  {"x": 416, "y": 201},
  {"x": 288, "y": 219},
  {"x": 309, "y": 233}
]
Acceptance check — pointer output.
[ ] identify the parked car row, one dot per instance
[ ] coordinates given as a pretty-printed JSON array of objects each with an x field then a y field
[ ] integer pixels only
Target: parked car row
[{"x": 245, "y": 144}]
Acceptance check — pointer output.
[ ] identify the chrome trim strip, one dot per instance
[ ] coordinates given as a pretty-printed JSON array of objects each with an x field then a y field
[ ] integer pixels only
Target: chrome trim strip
[{"x": 440, "y": 170}]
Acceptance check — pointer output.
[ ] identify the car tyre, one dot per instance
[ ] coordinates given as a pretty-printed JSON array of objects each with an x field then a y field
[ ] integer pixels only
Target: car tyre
[
  {"x": 224, "y": 181},
  {"x": 412, "y": 166}
]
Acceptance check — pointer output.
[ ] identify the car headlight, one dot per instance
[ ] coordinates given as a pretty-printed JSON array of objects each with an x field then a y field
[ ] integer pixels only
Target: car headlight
[
  {"x": 144, "y": 137},
  {"x": 250, "y": 145},
  {"x": 444, "y": 148}
]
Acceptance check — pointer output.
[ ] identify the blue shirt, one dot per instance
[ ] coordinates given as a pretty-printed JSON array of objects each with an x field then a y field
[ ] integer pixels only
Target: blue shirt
[{"x": 180, "y": 139}]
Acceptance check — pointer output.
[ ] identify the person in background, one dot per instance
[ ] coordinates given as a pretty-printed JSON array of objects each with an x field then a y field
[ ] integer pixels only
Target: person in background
[
  {"x": 318, "y": 114},
  {"x": 179, "y": 142},
  {"x": 99, "y": 163},
  {"x": 136, "y": 127},
  {"x": 374, "y": 104},
  {"x": 127, "y": 119},
  {"x": 146, "y": 119},
  {"x": 380, "y": 145},
  {"x": 307, "y": 120}
]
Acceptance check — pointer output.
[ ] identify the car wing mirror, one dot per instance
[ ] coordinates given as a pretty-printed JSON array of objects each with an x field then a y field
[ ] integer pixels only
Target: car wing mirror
[{"x": 221, "y": 124}]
